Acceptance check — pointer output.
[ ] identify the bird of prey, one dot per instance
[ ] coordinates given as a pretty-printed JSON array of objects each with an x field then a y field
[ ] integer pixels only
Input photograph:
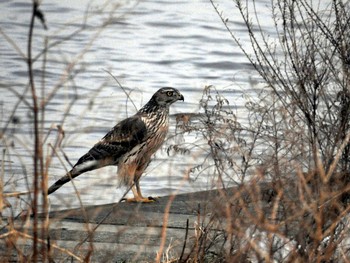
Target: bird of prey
[{"x": 130, "y": 144}]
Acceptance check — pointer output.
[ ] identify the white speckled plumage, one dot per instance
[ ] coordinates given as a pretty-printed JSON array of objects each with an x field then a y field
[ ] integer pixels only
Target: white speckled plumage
[{"x": 130, "y": 144}]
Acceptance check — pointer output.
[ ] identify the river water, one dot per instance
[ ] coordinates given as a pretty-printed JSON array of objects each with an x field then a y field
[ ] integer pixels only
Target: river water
[{"x": 146, "y": 45}]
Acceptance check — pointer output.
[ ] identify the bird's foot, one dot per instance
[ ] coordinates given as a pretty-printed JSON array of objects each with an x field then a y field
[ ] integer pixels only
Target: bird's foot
[{"x": 149, "y": 199}]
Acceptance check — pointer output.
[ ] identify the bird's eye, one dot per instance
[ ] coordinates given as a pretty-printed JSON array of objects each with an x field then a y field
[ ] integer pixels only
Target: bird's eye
[{"x": 169, "y": 93}]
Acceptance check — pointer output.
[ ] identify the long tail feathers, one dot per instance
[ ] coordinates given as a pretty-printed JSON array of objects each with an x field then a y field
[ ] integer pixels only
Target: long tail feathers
[
  {"x": 77, "y": 170},
  {"x": 65, "y": 179}
]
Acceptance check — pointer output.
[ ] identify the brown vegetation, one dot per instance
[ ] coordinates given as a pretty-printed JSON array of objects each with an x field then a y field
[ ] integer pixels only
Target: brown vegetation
[{"x": 289, "y": 163}]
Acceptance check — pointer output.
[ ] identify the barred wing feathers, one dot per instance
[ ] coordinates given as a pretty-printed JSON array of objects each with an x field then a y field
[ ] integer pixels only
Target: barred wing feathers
[
  {"x": 113, "y": 146},
  {"x": 120, "y": 140}
]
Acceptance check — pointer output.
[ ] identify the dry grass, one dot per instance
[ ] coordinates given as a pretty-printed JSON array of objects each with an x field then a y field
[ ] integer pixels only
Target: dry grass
[{"x": 289, "y": 162}]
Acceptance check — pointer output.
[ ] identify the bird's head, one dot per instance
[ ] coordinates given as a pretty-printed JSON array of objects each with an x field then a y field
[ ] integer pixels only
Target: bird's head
[{"x": 167, "y": 96}]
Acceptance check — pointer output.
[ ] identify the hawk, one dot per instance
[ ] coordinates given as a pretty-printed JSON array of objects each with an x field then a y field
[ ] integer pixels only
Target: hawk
[{"x": 130, "y": 144}]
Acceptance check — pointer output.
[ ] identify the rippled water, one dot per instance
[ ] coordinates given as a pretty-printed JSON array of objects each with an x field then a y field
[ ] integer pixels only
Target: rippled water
[{"x": 146, "y": 45}]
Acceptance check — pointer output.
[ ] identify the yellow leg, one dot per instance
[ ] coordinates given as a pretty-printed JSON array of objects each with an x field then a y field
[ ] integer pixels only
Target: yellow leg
[{"x": 138, "y": 198}]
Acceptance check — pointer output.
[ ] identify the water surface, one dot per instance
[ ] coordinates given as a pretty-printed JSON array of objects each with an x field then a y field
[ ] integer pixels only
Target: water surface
[{"x": 146, "y": 45}]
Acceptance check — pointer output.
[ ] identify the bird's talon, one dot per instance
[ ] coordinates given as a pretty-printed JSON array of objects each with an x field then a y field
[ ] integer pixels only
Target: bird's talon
[{"x": 149, "y": 199}]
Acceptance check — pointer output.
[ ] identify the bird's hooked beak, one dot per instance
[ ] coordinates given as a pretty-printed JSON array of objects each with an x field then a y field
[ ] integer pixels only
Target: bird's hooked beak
[{"x": 181, "y": 97}]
